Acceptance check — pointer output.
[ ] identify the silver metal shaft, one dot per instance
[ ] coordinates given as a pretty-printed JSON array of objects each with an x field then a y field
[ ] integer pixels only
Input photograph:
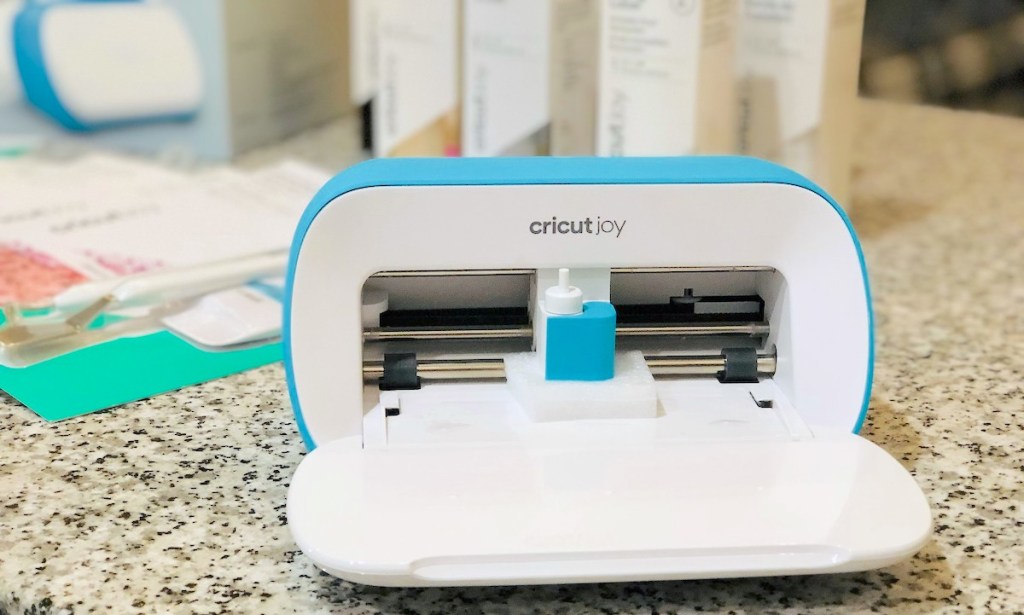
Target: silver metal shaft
[
  {"x": 753, "y": 329},
  {"x": 494, "y": 369},
  {"x": 461, "y": 272}
]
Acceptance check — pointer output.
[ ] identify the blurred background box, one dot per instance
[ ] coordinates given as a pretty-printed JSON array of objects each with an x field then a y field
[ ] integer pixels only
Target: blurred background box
[
  {"x": 363, "y": 58},
  {"x": 505, "y": 79},
  {"x": 666, "y": 85},
  {"x": 287, "y": 67},
  {"x": 416, "y": 110},
  {"x": 797, "y": 65},
  {"x": 575, "y": 36},
  {"x": 264, "y": 74}
]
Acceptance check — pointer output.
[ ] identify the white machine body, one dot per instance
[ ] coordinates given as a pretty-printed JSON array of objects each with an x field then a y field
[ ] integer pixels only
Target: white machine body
[{"x": 453, "y": 484}]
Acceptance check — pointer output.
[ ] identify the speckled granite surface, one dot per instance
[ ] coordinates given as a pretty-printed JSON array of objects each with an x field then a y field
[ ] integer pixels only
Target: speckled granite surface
[{"x": 176, "y": 504}]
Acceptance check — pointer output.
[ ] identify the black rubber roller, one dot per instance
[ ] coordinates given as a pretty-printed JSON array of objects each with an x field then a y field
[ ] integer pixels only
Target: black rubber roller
[
  {"x": 740, "y": 365},
  {"x": 400, "y": 372}
]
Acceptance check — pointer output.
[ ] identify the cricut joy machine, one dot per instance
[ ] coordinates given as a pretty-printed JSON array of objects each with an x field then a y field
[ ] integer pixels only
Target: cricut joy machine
[
  {"x": 95, "y": 64},
  {"x": 570, "y": 370}
]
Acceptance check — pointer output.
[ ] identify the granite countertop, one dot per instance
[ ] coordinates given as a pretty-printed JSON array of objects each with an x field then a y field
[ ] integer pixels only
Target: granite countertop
[{"x": 177, "y": 503}]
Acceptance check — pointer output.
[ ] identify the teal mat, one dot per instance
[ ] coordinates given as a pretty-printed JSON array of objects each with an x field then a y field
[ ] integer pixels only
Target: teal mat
[{"x": 121, "y": 371}]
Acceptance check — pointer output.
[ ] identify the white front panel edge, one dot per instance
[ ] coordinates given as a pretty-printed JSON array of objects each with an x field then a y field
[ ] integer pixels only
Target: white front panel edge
[{"x": 823, "y": 357}]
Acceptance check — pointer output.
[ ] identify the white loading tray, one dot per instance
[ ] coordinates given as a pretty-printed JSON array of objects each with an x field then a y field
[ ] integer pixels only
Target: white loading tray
[{"x": 542, "y": 512}]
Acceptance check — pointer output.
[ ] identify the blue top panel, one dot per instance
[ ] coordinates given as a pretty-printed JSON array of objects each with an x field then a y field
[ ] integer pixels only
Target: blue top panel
[{"x": 548, "y": 171}]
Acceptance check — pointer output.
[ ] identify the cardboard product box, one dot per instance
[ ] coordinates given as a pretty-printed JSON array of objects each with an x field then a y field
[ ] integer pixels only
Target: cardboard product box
[
  {"x": 417, "y": 107},
  {"x": 666, "y": 82},
  {"x": 205, "y": 79},
  {"x": 505, "y": 77},
  {"x": 287, "y": 67},
  {"x": 797, "y": 67},
  {"x": 363, "y": 60},
  {"x": 574, "y": 66}
]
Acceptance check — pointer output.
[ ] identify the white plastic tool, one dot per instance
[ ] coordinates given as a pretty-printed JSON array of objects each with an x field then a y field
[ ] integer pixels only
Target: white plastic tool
[
  {"x": 159, "y": 286},
  {"x": 563, "y": 299}
]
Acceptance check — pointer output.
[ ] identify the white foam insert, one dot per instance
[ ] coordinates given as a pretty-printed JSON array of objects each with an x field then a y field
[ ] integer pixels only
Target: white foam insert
[{"x": 631, "y": 394}]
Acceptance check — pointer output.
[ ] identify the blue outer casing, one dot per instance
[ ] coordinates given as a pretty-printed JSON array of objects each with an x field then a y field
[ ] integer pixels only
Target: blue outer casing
[
  {"x": 35, "y": 78},
  {"x": 581, "y": 346},
  {"x": 552, "y": 171}
]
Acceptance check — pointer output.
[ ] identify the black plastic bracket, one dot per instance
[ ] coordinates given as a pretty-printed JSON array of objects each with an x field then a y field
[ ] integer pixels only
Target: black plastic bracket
[
  {"x": 740, "y": 365},
  {"x": 400, "y": 372}
]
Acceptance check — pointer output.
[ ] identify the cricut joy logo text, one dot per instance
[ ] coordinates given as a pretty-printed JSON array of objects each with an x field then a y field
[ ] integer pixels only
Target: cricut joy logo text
[{"x": 586, "y": 226}]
